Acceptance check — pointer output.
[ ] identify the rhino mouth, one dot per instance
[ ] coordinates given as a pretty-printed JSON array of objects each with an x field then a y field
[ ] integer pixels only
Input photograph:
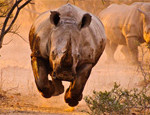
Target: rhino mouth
[
  {"x": 64, "y": 74},
  {"x": 63, "y": 69}
]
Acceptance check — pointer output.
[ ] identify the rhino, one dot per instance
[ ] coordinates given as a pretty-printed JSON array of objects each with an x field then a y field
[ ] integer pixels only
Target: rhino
[
  {"x": 66, "y": 43},
  {"x": 126, "y": 25}
]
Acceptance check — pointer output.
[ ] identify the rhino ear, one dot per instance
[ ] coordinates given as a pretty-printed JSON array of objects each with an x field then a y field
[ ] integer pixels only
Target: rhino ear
[
  {"x": 54, "y": 17},
  {"x": 141, "y": 11},
  {"x": 86, "y": 20}
]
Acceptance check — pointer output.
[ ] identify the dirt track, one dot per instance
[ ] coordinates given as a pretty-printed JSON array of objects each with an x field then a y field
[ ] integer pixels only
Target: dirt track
[
  {"x": 25, "y": 99},
  {"x": 21, "y": 93}
]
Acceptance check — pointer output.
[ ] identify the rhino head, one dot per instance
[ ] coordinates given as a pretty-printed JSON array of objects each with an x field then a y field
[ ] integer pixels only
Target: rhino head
[
  {"x": 146, "y": 25},
  {"x": 60, "y": 43}
]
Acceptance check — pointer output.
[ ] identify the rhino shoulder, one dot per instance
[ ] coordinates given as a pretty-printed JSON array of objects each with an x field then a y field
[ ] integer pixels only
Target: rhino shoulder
[
  {"x": 39, "y": 33},
  {"x": 145, "y": 7},
  {"x": 42, "y": 23}
]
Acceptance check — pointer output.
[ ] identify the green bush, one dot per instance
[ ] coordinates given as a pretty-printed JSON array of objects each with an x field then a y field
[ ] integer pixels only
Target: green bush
[{"x": 118, "y": 101}]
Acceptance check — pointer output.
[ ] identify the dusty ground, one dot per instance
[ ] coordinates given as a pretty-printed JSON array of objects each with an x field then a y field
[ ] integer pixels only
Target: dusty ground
[
  {"x": 17, "y": 85},
  {"x": 22, "y": 97}
]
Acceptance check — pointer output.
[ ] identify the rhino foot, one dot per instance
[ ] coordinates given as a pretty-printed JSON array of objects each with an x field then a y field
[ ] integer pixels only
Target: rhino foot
[
  {"x": 71, "y": 99},
  {"x": 72, "y": 102},
  {"x": 47, "y": 92}
]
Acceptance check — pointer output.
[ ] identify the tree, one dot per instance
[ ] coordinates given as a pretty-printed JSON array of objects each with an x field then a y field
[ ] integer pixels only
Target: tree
[{"x": 18, "y": 5}]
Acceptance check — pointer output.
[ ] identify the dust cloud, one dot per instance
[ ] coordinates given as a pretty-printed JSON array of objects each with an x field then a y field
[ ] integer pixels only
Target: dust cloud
[{"x": 17, "y": 78}]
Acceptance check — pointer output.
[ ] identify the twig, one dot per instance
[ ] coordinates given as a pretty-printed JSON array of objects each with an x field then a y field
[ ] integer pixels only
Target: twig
[
  {"x": 8, "y": 42},
  {"x": 3, "y": 32},
  {"x": 141, "y": 66},
  {"x": 15, "y": 32},
  {"x": 12, "y": 39},
  {"x": 14, "y": 88}
]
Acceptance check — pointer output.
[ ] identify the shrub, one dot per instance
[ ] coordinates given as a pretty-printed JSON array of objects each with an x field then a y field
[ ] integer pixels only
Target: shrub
[{"x": 118, "y": 101}]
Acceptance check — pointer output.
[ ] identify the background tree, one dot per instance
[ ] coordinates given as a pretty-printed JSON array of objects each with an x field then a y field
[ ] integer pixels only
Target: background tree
[{"x": 10, "y": 12}]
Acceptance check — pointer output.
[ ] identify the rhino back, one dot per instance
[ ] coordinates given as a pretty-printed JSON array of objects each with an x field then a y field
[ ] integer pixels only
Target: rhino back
[
  {"x": 145, "y": 6},
  {"x": 122, "y": 21},
  {"x": 133, "y": 25},
  {"x": 113, "y": 20}
]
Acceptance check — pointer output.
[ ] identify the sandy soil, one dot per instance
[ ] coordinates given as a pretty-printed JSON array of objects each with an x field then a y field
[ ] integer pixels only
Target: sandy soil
[{"x": 20, "y": 95}]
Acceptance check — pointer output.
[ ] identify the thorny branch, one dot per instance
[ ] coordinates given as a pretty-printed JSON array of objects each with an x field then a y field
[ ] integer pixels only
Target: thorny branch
[
  {"x": 14, "y": 32},
  {"x": 5, "y": 30},
  {"x": 144, "y": 68},
  {"x": 72, "y": 0}
]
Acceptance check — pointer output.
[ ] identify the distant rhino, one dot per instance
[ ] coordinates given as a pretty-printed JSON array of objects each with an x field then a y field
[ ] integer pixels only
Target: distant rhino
[
  {"x": 126, "y": 25},
  {"x": 66, "y": 43}
]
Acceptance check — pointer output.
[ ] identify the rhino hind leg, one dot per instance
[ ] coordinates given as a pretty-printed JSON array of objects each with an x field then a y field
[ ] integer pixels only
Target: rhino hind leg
[
  {"x": 126, "y": 53},
  {"x": 132, "y": 45},
  {"x": 110, "y": 51},
  {"x": 40, "y": 71},
  {"x": 74, "y": 93}
]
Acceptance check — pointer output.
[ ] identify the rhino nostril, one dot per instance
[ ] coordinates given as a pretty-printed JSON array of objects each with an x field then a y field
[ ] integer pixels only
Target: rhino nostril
[
  {"x": 54, "y": 75},
  {"x": 54, "y": 54}
]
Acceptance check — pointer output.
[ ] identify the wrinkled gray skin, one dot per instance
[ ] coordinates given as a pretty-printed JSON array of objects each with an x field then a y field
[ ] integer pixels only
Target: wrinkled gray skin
[
  {"x": 126, "y": 25},
  {"x": 66, "y": 43}
]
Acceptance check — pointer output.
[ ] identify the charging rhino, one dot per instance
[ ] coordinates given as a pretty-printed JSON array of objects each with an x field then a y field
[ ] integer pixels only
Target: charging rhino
[
  {"x": 66, "y": 43},
  {"x": 126, "y": 25}
]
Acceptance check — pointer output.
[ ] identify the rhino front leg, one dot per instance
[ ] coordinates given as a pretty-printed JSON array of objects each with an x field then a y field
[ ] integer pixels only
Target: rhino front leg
[
  {"x": 125, "y": 52},
  {"x": 74, "y": 92},
  {"x": 132, "y": 45},
  {"x": 110, "y": 50},
  {"x": 40, "y": 71}
]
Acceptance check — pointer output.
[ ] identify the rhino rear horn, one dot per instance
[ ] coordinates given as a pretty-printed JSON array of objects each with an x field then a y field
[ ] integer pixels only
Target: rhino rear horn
[
  {"x": 86, "y": 20},
  {"x": 54, "y": 17}
]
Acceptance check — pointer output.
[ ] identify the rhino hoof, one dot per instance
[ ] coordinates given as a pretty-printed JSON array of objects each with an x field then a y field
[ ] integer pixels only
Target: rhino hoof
[
  {"x": 46, "y": 93},
  {"x": 72, "y": 100},
  {"x": 73, "y": 103}
]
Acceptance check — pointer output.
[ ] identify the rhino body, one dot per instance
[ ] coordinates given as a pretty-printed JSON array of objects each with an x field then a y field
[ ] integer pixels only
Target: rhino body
[
  {"x": 126, "y": 25},
  {"x": 65, "y": 43}
]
